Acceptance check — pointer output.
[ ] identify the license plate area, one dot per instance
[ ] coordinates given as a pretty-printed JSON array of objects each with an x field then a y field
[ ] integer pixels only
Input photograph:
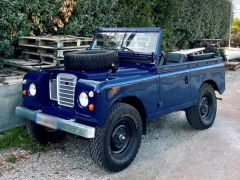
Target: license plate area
[{"x": 47, "y": 121}]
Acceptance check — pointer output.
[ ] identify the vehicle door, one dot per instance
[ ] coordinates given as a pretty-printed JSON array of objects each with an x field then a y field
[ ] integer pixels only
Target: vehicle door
[{"x": 174, "y": 86}]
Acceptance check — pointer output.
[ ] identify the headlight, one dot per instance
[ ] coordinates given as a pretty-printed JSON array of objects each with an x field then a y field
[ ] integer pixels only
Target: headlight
[
  {"x": 32, "y": 90},
  {"x": 83, "y": 99}
]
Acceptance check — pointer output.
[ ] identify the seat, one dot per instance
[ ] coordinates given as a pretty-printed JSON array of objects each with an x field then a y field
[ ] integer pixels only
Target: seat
[{"x": 173, "y": 58}]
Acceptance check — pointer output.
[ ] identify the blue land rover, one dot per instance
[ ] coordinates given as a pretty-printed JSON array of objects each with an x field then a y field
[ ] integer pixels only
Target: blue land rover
[{"x": 108, "y": 92}]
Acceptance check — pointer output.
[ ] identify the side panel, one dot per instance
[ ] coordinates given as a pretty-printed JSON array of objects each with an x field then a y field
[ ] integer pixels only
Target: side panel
[
  {"x": 147, "y": 91},
  {"x": 178, "y": 92},
  {"x": 174, "y": 87},
  {"x": 205, "y": 71}
]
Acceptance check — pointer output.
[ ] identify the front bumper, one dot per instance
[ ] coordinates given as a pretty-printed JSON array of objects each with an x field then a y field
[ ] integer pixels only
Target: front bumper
[{"x": 56, "y": 123}]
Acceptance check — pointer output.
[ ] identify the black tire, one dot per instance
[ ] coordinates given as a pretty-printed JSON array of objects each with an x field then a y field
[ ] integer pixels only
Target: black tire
[
  {"x": 44, "y": 135},
  {"x": 90, "y": 59},
  {"x": 202, "y": 115},
  {"x": 109, "y": 149}
]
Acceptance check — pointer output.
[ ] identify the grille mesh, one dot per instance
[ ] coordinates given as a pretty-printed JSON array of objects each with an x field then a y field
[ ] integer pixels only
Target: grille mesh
[
  {"x": 53, "y": 89},
  {"x": 66, "y": 84}
]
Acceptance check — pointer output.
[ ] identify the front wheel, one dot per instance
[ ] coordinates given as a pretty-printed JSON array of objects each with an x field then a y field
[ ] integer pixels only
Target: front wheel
[
  {"x": 117, "y": 142},
  {"x": 202, "y": 115},
  {"x": 44, "y": 135}
]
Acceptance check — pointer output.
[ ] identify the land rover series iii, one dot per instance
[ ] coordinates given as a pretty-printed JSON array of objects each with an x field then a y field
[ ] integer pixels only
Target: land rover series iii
[{"x": 108, "y": 92}]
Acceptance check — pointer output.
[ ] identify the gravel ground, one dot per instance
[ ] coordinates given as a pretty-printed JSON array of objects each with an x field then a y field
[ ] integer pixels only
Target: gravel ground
[{"x": 170, "y": 150}]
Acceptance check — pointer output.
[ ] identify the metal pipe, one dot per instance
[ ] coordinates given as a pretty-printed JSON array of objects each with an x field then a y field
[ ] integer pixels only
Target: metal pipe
[{"x": 230, "y": 28}]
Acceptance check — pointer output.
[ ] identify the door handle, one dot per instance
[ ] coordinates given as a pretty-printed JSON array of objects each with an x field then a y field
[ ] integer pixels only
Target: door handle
[{"x": 186, "y": 80}]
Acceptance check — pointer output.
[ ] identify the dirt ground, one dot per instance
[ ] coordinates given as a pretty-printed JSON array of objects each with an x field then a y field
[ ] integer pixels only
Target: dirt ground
[{"x": 170, "y": 150}]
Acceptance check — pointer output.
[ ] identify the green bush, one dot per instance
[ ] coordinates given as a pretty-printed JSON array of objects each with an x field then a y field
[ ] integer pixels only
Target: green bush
[
  {"x": 19, "y": 138},
  {"x": 24, "y": 17},
  {"x": 184, "y": 21},
  {"x": 188, "y": 20},
  {"x": 90, "y": 14}
]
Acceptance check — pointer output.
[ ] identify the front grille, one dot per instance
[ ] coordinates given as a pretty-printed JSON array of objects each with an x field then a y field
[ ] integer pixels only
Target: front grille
[{"x": 66, "y": 84}]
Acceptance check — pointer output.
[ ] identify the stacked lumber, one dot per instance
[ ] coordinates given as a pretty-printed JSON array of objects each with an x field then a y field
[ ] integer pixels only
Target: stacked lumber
[
  {"x": 47, "y": 52},
  {"x": 232, "y": 65},
  {"x": 10, "y": 76}
]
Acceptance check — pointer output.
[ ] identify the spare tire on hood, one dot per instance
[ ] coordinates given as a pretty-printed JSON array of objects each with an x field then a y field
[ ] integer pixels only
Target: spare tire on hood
[{"x": 90, "y": 59}]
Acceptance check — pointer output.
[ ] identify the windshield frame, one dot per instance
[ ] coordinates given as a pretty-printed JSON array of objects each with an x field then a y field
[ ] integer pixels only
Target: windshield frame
[{"x": 154, "y": 55}]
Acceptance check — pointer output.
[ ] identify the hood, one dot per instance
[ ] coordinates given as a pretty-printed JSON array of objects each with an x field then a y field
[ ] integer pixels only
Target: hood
[{"x": 123, "y": 72}]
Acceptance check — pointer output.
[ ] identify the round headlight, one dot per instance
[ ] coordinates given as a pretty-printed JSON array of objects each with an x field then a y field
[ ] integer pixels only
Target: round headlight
[
  {"x": 32, "y": 90},
  {"x": 83, "y": 99}
]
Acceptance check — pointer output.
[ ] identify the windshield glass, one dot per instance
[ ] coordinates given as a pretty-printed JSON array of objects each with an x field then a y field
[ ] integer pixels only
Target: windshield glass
[{"x": 130, "y": 41}]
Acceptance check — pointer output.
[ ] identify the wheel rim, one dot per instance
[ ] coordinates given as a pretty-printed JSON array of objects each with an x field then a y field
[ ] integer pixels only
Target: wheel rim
[
  {"x": 205, "y": 107},
  {"x": 121, "y": 137}
]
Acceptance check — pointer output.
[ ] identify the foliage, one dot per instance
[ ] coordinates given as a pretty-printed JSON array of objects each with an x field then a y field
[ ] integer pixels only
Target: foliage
[
  {"x": 235, "y": 32},
  {"x": 197, "y": 19},
  {"x": 136, "y": 13},
  {"x": 184, "y": 21},
  {"x": 24, "y": 17},
  {"x": 90, "y": 14},
  {"x": 235, "y": 25},
  {"x": 20, "y": 138}
]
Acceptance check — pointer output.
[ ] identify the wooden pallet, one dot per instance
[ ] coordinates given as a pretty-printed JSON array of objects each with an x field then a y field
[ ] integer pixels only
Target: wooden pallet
[
  {"x": 55, "y": 42},
  {"x": 26, "y": 65},
  {"x": 233, "y": 66},
  {"x": 51, "y": 49},
  {"x": 46, "y": 58},
  {"x": 9, "y": 75},
  {"x": 48, "y": 52}
]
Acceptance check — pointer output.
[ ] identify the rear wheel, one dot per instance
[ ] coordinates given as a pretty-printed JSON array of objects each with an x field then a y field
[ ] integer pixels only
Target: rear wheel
[
  {"x": 202, "y": 115},
  {"x": 117, "y": 142},
  {"x": 44, "y": 135}
]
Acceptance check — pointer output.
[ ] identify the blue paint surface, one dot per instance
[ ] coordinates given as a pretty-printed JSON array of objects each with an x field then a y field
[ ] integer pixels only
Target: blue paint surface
[{"x": 160, "y": 90}]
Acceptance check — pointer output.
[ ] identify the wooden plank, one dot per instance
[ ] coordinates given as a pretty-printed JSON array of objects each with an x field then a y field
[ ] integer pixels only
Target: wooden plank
[
  {"x": 36, "y": 46},
  {"x": 56, "y": 38},
  {"x": 20, "y": 62},
  {"x": 39, "y": 54},
  {"x": 56, "y": 54},
  {"x": 56, "y": 42},
  {"x": 8, "y": 75},
  {"x": 49, "y": 47},
  {"x": 25, "y": 65},
  {"x": 42, "y": 57}
]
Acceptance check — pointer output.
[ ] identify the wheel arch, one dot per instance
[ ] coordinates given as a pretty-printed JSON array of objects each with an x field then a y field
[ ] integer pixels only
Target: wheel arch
[
  {"x": 213, "y": 84},
  {"x": 136, "y": 103}
]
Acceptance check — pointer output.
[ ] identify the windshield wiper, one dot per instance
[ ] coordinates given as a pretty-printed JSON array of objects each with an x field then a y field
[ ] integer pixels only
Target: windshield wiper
[
  {"x": 126, "y": 48},
  {"x": 108, "y": 48}
]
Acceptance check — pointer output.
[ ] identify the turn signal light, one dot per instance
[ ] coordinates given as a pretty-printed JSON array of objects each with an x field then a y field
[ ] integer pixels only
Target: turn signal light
[
  {"x": 91, "y": 107},
  {"x": 24, "y": 92}
]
